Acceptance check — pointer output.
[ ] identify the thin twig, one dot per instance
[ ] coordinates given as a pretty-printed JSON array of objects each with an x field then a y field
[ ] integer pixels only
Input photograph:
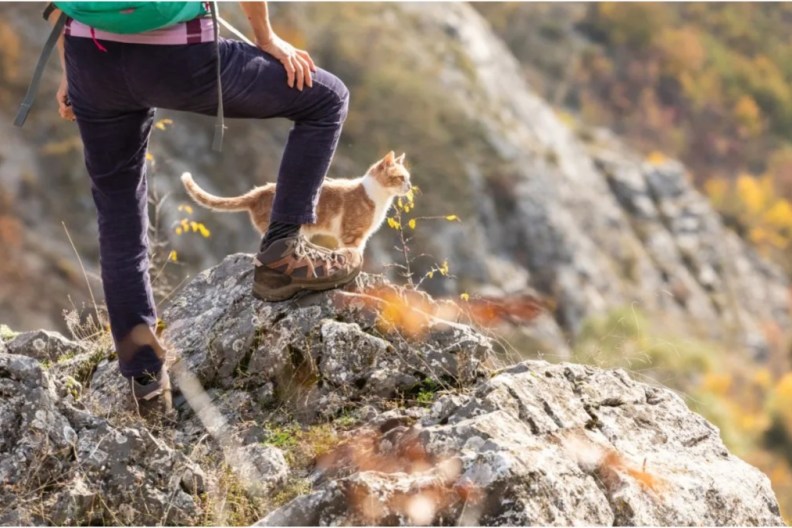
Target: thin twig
[{"x": 82, "y": 267}]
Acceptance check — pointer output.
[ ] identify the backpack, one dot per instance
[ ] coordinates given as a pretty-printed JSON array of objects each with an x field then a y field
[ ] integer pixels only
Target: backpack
[
  {"x": 125, "y": 18},
  {"x": 132, "y": 17}
]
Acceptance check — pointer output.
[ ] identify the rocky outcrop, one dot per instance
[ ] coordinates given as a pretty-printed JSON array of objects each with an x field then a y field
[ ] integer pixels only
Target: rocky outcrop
[
  {"x": 425, "y": 430},
  {"x": 328, "y": 349},
  {"x": 44, "y": 346},
  {"x": 61, "y": 465},
  {"x": 549, "y": 445}
]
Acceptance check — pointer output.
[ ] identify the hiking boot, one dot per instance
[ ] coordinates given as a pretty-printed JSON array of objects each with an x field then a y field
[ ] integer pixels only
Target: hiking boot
[
  {"x": 153, "y": 396},
  {"x": 293, "y": 264}
]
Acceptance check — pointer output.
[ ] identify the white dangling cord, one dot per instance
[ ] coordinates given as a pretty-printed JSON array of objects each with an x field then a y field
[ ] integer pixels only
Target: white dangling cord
[{"x": 234, "y": 30}]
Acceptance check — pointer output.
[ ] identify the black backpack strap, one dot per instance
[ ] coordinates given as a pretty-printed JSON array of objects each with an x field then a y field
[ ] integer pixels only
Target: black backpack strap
[
  {"x": 48, "y": 11},
  {"x": 52, "y": 41},
  {"x": 217, "y": 142}
]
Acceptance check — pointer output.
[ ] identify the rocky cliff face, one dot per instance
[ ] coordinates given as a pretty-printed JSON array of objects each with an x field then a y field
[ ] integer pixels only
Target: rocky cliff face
[
  {"x": 324, "y": 410},
  {"x": 547, "y": 204},
  {"x": 593, "y": 224}
]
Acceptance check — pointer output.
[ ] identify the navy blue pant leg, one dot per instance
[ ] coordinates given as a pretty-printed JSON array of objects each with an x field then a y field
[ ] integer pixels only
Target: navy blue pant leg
[{"x": 115, "y": 151}]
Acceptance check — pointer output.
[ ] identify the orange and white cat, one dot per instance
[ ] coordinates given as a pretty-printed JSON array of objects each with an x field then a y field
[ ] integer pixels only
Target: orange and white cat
[{"x": 349, "y": 211}]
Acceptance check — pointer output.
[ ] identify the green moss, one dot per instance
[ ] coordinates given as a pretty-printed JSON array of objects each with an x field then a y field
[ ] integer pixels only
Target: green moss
[
  {"x": 300, "y": 444},
  {"x": 6, "y": 334},
  {"x": 293, "y": 488}
]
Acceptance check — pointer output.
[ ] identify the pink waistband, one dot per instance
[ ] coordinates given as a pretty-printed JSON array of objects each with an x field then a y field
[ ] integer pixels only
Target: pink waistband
[{"x": 192, "y": 32}]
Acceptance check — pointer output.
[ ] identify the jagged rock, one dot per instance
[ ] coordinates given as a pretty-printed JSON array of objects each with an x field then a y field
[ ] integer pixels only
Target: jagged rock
[
  {"x": 551, "y": 445},
  {"x": 63, "y": 465},
  {"x": 71, "y": 374},
  {"x": 323, "y": 351},
  {"x": 37, "y": 439},
  {"x": 108, "y": 392},
  {"x": 711, "y": 274},
  {"x": 44, "y": 345}
]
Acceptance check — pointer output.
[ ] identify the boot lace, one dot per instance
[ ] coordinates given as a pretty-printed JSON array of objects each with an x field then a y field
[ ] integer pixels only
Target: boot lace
[{"x": 305, "y": 249}]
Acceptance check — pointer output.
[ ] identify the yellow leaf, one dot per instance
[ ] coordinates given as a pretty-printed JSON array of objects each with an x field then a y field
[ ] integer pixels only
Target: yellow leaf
[
  {"x": 780, "y": 215},
  {"x": 178, "y": 230},
  {"x": 149, "y": 157},
  {"x": 656, "y": 158},
  {"x": 751, "y": 193},
  {"x": 465, "y": 296},
  {"x": 451, "y": 218},
  {"x": 163, "y": 123},
  {"x": 172, "y": 256},
  {"x": 411, "y": 223},
  {"x": 393, "y": 223}
]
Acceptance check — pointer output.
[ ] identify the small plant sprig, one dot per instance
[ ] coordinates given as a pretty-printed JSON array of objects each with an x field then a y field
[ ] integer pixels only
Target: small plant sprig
[
  {"x": 405, "y": 225},
  {"x": 161, "y": 252}
]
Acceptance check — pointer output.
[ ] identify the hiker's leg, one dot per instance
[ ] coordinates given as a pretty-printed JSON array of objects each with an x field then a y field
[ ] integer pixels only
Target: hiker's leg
[
  {"x": 115, "y": 129},
  {"x": 115, "y": 151},
  {"x": 254, "y": 86},
  {"x": 256, "y": 80}
]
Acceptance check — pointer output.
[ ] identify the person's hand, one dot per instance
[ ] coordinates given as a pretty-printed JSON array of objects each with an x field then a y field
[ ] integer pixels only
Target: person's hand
[
  {"x": 297, "y": 62},
  {"x": 64, "y": 106}
]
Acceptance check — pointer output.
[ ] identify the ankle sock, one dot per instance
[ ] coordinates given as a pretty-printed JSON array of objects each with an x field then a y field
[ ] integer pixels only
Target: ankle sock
[
  {"x": 145, "y": 379},
  {"x": 278, "y": 230}
]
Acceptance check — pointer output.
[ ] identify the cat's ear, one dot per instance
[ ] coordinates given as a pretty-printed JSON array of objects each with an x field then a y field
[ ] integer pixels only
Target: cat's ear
[
  {"x": 389, "y": 158},
  {"x": 400, "y": 159}
]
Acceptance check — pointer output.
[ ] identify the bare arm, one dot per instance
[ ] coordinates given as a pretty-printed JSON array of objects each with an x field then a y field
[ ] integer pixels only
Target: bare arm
[
  {"x": 258, "y": 16},
  {"x": 297, "y": 62}
]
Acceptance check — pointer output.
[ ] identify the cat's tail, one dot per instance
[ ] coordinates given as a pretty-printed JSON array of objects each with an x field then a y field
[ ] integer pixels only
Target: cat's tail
[{"x": 218, "y": 203}]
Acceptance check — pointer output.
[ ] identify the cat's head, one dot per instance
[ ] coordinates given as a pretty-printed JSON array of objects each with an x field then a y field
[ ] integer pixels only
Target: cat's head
[{"x": 391, "y": 175}]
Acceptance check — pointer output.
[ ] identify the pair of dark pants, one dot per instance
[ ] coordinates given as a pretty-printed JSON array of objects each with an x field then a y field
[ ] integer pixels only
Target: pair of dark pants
[{"x": 114, "y": 94}]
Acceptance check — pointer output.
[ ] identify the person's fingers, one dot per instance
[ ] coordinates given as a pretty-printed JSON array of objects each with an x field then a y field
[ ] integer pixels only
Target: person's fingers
[
  {"x": 299, "y": 73},
  {"x": 305, "y": 55},
  {"x": 65, "y": 110},
  {"x": 306, "y": 72},
  {"x": 288, "y": 63}
]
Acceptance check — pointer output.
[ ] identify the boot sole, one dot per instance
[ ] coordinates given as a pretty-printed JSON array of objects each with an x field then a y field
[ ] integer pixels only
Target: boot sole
[{"x": 288, "y": 291}]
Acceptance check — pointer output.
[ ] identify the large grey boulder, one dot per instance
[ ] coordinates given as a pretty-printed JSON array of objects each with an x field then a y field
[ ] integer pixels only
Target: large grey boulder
[
  {"x": 320, "y": 352},
  {"x": 544, "y": 444},
  {"x": 44, "y": 346}
]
